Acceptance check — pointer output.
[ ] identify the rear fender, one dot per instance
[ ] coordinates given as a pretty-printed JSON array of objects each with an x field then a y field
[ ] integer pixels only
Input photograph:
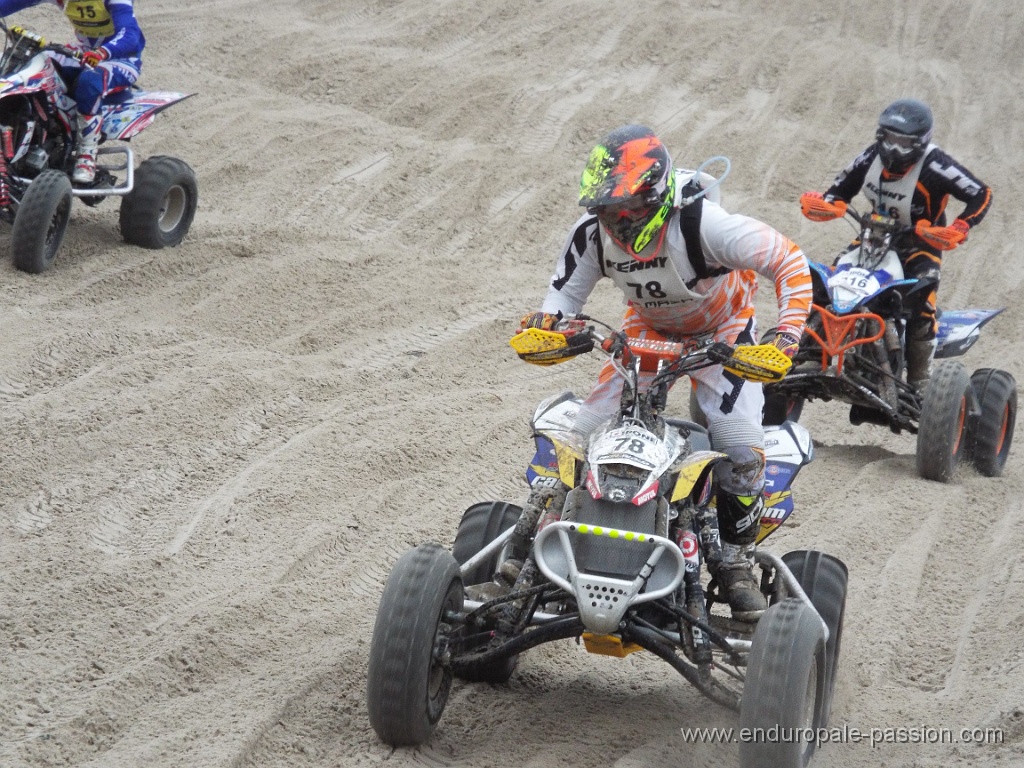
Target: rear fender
[
  {"x": 787, "y": 447},
  {"x": 959, "y": 329},
  {"x": 133, "y": 113}
]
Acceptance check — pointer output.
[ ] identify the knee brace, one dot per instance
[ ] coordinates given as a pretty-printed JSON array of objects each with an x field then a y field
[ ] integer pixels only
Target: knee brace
[{"x": 739, "y": 479}]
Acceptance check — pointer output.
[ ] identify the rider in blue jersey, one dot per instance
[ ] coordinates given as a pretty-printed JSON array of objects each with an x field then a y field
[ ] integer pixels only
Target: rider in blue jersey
[{"x": 111, "y": 44}]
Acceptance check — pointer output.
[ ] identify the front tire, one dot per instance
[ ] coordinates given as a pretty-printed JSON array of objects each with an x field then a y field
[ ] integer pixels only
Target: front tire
[
  {"x": 824, "y": 580},
  {"x": 991, "y": 431},
  {"x": 782, "y": 695},
  {"x": 41, "y": 221},
  {"x": 159, "y": 210},
  {"x": 941, "y": 433},
  {"x": 409, "y": 677}
]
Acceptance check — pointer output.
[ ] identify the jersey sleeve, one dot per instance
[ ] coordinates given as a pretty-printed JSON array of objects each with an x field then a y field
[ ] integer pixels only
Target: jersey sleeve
[
  {"x": 850, "y": 180},
  {"x": 578, "y": 269},
  {"x": 740, "y": 242},
  {"x": 8, "y": 7},
  {"x": 951, "y": 178},
  {"x": 127, "y": 39}
]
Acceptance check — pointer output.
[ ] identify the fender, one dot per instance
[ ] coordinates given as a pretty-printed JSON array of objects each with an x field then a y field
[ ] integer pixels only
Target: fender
[
  {"x": 129, "y": 115},
  {"x": 693, "y": 468},
  {"x": 959, "y": 329},
  {"x": 557, "y": 454},
  {"x": 788, "y": 447}
]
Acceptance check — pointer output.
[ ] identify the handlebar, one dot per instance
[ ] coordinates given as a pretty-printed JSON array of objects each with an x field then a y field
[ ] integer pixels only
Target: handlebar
[
  {"x": 668, "y": 359},
  {"x": 17, "y": 34}
]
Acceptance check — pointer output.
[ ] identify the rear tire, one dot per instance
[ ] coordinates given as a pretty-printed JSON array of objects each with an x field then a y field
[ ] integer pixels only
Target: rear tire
[
  {"x": 991, "y": 431},
  {"x": 409, "y": 677},
  {"x": 481, "y": 524},
  {"x": 41, "y": 221},
  {"x": 782, "y": 695},
  {"x": 824, "y": 579},
  {"x": 159, "y": 210},
  {"x": 941, "y": 433}
]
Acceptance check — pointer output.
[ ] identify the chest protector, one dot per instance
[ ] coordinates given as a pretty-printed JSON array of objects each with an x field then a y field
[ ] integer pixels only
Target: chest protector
[
  {"x": 893, "y": 197},
  {"x": 90, "y": 18}
]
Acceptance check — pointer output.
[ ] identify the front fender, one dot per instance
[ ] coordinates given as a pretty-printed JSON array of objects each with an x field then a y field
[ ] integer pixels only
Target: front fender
[{"x": 694, "y": 469}]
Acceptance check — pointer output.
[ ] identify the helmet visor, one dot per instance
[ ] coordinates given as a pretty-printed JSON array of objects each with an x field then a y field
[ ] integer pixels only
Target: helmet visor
[{"x": 625, "y": 221}]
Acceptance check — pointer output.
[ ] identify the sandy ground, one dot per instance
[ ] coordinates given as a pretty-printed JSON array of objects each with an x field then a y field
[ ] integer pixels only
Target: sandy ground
[{"x": 214, "y": 454}]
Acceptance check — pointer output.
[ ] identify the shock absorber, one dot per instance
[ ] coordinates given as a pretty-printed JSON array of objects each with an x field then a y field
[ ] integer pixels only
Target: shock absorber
[{"x": 5, "y": 189}]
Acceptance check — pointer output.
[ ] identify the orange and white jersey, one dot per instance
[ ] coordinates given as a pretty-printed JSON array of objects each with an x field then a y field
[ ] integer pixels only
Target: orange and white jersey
[{"x": 666, "y": 293}]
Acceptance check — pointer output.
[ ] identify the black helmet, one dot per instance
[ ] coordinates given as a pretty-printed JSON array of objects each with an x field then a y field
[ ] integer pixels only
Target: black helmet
[{"x": 904, "y": 130}]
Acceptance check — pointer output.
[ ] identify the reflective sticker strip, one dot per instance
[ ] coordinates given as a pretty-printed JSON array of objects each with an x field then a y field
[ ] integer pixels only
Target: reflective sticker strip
[{"x": 611, "y": 533}]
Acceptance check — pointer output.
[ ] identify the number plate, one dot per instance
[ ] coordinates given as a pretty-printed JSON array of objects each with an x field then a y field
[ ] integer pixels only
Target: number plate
[{"x": 629, "y": 445}]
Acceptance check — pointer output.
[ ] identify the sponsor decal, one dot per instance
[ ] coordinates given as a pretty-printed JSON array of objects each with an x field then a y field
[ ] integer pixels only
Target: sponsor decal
[
  {"x": 689, "y": 545},
  {"x": 635, "y": 266},
  {"x": 644, "y": 496}
]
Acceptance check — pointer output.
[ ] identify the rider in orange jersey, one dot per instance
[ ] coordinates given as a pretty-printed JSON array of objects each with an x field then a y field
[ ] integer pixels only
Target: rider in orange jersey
[{"x": 687, "y": 268}]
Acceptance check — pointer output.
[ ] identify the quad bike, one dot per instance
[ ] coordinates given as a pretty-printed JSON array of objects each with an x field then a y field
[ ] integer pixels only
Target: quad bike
[
  {"x": 38, "y": 137},
  {"x": 608, "y": 548},
  {"x": 853, "y": 350}
]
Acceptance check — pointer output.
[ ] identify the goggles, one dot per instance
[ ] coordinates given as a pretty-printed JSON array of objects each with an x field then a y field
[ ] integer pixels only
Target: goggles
[
  {"x": 632, "y": 207},
  {"x": 899, "y": 143}
]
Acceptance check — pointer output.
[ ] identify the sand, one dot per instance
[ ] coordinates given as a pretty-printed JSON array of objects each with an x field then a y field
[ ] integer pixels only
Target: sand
[{"x": 213, "y": 454}]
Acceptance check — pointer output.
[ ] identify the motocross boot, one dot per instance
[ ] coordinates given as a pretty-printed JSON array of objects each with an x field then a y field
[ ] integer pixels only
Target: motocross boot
[
  {"x": 88, "y": 141},
  {"x": 735, "y": 575},
  {"x": 919, "y": 362},
  {"x": 504, "y": 578}
]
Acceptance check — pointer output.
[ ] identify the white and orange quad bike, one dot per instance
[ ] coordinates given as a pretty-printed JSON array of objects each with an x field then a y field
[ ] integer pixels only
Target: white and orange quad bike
[
  {"x": 609, "y": 548},
  {"x": 38, "y": 138}
]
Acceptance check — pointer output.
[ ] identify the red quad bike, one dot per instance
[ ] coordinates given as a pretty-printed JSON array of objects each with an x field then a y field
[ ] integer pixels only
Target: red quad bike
[
  {"x": 38, "y": 136},
  {"x": 608, "y": 549}
]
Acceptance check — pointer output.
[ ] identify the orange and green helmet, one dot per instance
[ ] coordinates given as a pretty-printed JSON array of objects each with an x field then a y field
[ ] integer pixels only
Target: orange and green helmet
[{"x": 629, "y": 183}]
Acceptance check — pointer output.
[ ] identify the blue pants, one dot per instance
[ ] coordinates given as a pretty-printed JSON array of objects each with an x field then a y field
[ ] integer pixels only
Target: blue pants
[{"x": 89, "y": 87}]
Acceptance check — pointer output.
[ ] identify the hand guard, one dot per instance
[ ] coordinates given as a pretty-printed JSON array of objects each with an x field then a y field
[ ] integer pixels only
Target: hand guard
[
  {"x": 942, "y": 238},
  {"x": 787, "y": 344},
  {"x": 541, "y": 320},
  {"x": 817, "y": 208},
  {"x": 760, "y": 362},
  {"x": 94, "y": 57},
  {"x": 541, "y": 347}
]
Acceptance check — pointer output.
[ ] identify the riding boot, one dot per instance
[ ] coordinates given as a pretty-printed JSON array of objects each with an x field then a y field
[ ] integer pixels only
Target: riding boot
[
  {"x": 919, "y": 362},
  {"x": 735, "y": 576},
  {"x": 88, "y": 141}
]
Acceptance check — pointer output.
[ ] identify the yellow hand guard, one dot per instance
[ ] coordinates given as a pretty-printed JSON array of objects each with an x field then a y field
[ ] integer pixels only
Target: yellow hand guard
[
  {"x": 549, "y": 347},
  {"x": 760, "y": 362}
]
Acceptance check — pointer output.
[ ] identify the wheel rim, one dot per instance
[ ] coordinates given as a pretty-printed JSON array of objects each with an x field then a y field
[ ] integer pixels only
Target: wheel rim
[
  {"x": 1003, "y": 427},
  {"x": 173, "y": 208},
  {"x": 439, "y": 678},
  {"x": 57, "y": 223},
  {"x": 961, "y": 418}
]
